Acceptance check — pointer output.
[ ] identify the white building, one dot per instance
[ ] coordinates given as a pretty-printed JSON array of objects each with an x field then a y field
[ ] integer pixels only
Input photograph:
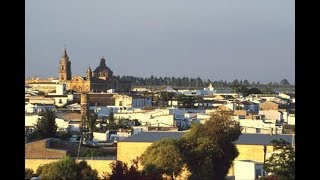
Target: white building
[
  {"x": 135, "y": 101},
  {"x": 60, "y": 90},
  {"x": 291, "y": 119},
  {"x": 285, "y": 96},
  {"x": 37, "y": 108},
  {"x": 31, "y": 121},
  {"x": 248, "y": 170},
  {"x": 259, "y": 126},
  {"x": 206, "y": 91}
]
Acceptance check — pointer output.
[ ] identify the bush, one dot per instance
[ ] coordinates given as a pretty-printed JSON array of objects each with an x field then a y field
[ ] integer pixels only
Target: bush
[{"x": 67, "y": 168}]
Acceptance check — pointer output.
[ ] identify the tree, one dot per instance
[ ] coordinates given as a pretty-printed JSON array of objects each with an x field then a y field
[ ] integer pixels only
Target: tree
[
  {"x": 281, "y": 163},
  {"x": 186, "y": 101},
  {"x": 67, "y": 169},
  {"x": 165, "y": 97},
  {"x": 29, "y": 174},
  {"x": 164, "y": 157},
  {"x": 111, "y": 124},
  {"x": 255, "y": 91},
  {"x": 284, "y": 82},
  {"x": 208, "y": 149},
  {"x": 111, "y": 118},
  {"x": 91, "y": 124},
  {"x": 46, "y": 126},
  {"x": 120, "y": 170}
]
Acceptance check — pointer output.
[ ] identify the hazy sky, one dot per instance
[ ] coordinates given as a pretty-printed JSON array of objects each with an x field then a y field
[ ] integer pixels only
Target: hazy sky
[{"x": 215, "y": 39}]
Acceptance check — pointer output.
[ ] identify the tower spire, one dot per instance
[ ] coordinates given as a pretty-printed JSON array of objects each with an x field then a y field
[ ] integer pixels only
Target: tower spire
[{"x": 65, "y": 50}]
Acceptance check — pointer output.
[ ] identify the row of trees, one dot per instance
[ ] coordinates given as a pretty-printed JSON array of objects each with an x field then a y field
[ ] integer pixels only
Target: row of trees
[
  {"x": 193, "y": 82},
  {"x": 183, "y": 100}
]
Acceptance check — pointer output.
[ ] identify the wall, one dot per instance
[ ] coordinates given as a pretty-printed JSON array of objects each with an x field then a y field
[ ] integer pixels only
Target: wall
[
  {"x": 124, "y": 99},
  {"x": 291, "y": 119},
  {"x": 41, "y": 100},
  {"x": 45, "y": 87},
  {"x": 127, "y": 151},
  {"x": 252, "y": 152},
  {"x": 244, "y": 170},
  {"x": 97, "y": 136},
  {"x": 60, "y": 101},
  {"x": 100, "y": 165},
  {"x": 38, "y": 149},
  {"x": 102, "y": 99},
  {"x": 272, "y": 114},
  {"x": 255, "y": 123}
]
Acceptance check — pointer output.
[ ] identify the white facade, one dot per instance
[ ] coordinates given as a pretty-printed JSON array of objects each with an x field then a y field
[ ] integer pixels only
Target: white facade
[
  {"x": 33, "y": 119},
  {"x": 34, "y": 108},
  {"x": 130, "y": 101},
  {"x": 291, "y": 119},
  {"x": 62, "y": 100},
  {"x": 202, "y": 118},
  {"x": 247, "y": 170},
  {"x": 98, "y": 136},
  {"x": 137, "y": 129},
  {"x": 173, "y": 103},
  {"x": 104, "y": 111},
  {"x": 259, "y": 126},
  {"x": 141, "y": 89},
  {"x": 165, "y": 117},
  {"x": 111, "y": 91},
  {"x": 119, "y": 136},
  {"x": 256, "y": 123},
  {"x": 206, "y": 91},
  {"x": 285, "y": 96},
  {"x": 60, "y": 90}
]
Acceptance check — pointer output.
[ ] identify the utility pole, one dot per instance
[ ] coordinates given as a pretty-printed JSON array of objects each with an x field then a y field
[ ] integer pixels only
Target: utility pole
[
  {"x": 292, "y": 141},
  {"x": 264, "y": 157}
]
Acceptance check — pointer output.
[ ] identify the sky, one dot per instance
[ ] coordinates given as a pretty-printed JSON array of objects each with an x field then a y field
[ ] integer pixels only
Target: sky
[{"x": 210, "y": 39}]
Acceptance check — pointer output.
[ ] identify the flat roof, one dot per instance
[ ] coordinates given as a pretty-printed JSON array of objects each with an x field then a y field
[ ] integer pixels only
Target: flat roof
[
  {"x": 151, "y": 136},
  {"x": 249, "y": 139}
]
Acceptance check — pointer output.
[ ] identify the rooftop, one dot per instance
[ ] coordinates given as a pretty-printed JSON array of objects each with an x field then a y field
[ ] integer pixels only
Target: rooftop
[
  {"x": 250, "y": 139},
  {"x": 151, "y": 136}
]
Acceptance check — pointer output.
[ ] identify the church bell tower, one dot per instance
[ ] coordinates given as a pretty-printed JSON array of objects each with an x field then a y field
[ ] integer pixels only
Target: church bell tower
[{"x": 64, "y": 67}]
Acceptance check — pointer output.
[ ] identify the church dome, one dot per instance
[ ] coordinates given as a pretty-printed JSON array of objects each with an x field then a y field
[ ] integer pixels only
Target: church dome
[{"x": 103, "y": 71}]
